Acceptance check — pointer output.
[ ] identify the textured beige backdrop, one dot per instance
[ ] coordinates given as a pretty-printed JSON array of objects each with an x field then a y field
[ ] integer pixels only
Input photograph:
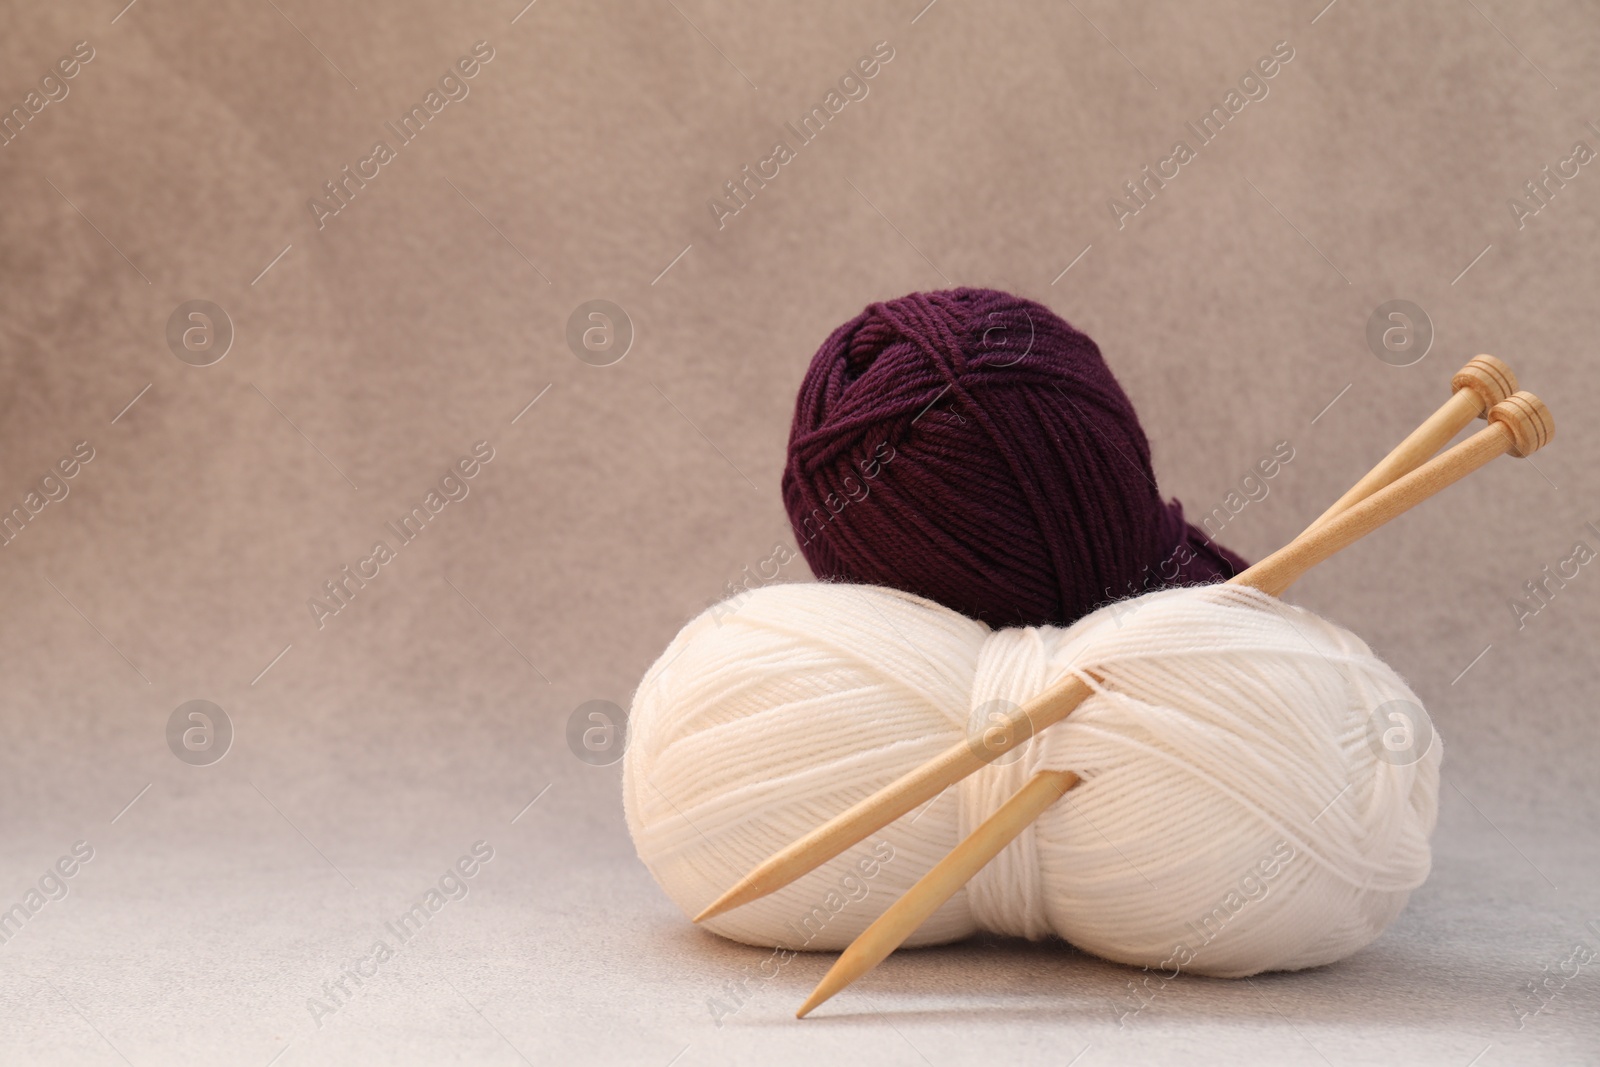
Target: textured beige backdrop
[{"x": 432, "y": 309}]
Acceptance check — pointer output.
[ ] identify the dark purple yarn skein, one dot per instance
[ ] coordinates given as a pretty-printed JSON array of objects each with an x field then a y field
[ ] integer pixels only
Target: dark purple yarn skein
[{"x": 971, "y": 447}]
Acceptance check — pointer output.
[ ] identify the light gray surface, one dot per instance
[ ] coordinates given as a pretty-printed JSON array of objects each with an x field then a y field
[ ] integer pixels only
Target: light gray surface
[{"x": 424, "y": 717}]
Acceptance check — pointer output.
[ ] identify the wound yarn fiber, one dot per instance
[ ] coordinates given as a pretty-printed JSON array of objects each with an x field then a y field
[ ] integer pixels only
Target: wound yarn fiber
[
  {"x": 972, "y": 447},
  {"x": 1235, "y": 815}
]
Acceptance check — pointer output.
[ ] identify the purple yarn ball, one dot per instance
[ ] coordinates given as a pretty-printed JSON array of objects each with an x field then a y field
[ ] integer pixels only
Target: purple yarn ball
[{"x": 971, "y": 447}]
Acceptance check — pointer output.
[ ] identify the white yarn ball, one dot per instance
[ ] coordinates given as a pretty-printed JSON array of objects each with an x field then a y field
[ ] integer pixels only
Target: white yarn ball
[{"x": 1237, "y": 814}]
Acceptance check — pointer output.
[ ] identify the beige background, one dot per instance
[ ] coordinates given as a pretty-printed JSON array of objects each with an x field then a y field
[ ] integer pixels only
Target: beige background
[{"x": 423, "y": 318}]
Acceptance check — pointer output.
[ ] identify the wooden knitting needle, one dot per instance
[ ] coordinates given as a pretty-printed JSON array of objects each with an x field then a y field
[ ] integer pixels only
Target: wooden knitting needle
[
  {"x": 1520, "y": 425},
  {"x": 923, "y": 784},
  {"x": 1478, "y": 386}
]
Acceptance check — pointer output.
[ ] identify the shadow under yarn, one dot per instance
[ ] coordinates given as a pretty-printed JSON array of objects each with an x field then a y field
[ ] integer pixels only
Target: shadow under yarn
[{"x": 972, "y": 447}]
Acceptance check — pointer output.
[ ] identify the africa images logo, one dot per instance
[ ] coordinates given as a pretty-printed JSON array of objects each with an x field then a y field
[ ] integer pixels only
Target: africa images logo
[{"x": 453, "y": 87}]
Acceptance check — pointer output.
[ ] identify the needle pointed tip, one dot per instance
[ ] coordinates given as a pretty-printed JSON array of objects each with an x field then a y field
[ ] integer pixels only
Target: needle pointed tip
[
  {"x": 817, "y": 997},
  {"x": 711, "y": 911},
  {"x": 738, "y": 896},
  {"x": 838, "y": 977}
]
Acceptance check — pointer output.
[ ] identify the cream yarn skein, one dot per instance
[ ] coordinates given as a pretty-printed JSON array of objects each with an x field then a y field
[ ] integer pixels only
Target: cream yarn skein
[{"x": 1239, "y": 810}]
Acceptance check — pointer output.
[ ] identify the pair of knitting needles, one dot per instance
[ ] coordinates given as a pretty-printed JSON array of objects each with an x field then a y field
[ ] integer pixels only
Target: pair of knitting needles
[
  {"x": 1518, "y": 423},
  {"x": 1477, "y": 389}
]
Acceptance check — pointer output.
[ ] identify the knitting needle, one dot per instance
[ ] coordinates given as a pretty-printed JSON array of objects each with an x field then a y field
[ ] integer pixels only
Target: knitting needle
[
  {"x": 1477, "y": 387},
  {"x": 926, "y": 782},
  {"x": 1520, "y": 425}
]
